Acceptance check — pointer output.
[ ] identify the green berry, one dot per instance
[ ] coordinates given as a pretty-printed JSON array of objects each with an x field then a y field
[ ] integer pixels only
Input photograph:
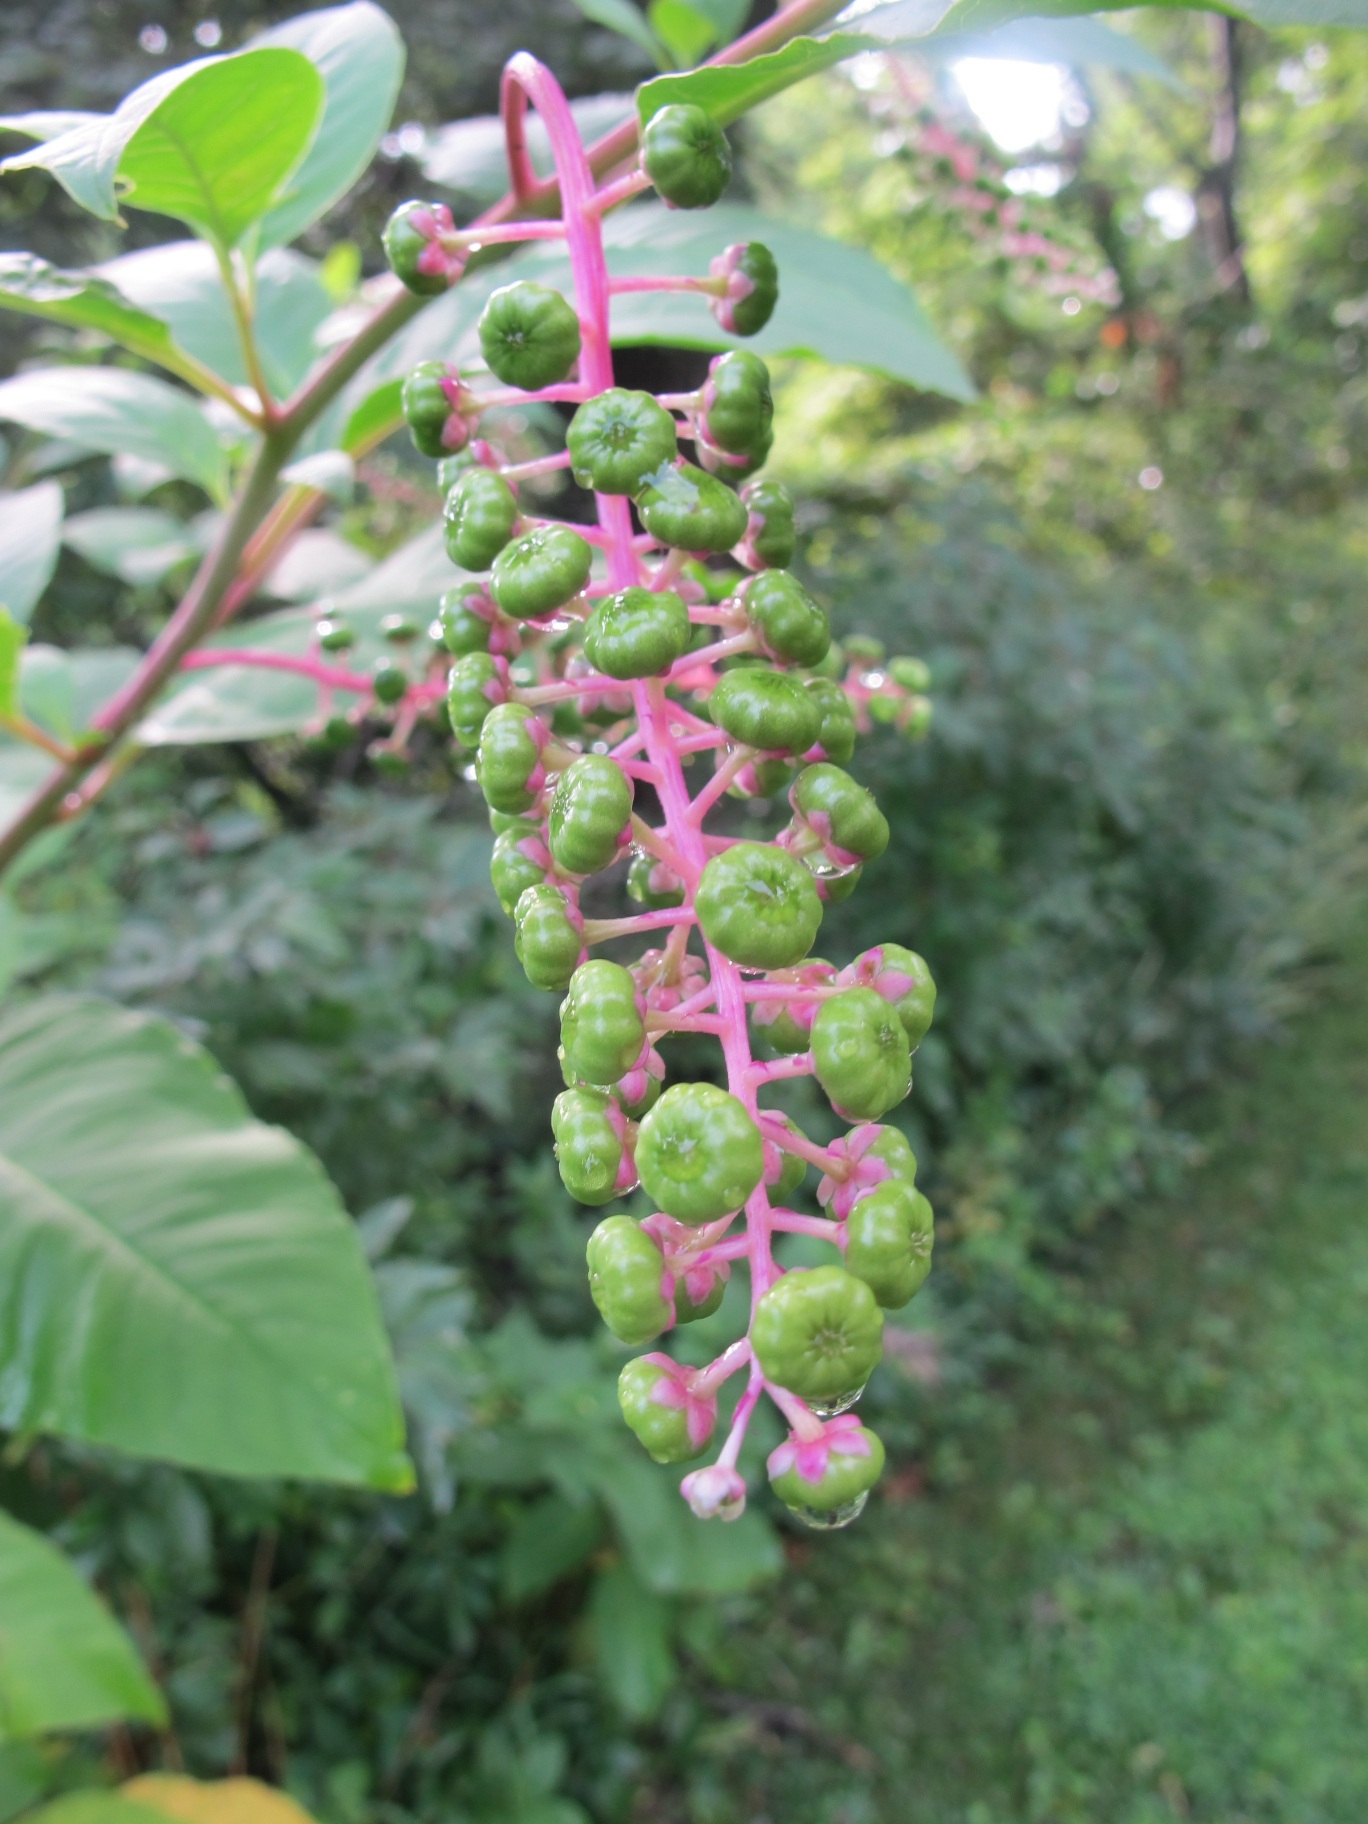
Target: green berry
[
  {"x": 388, "y": 680},
  {"x": 399, "y": 629},
  {"x": 690, "y": 510},
  {"x": 388, "y": 761},
  {"x": 840, "y": 814},
  {"x": 588, "y": 1145},
  {"x": 888, "y": 1241},
  {"x": 753, "y": 288},
  {"x": 529, "y": 335},
  {"x": 716, "y": 585},
  {"x": 838, "y": 1492},
  {"x": 637, "y": 633},
  {"x": 663, "y": 1424},
  {"x": 591, "y": 809},
  {"x": 602, "y": 1031},
  {"x": 758, "y": 906},
  {"x": 686, "y": 1311},
  {"x": 548, "y": 937},
  {"x": 737, "y": 407},
  {"x": 685, "y": 154},
  {"x": 508, "y": 763},
  {"x": 474, "y": 685},
  {"x": 478, "y": 518},
  {"x": 461, "y": 626},
  {"x": 540, "y": 572},
  {"x": 410, "y": 243},
  {"x": 903, "y": 980},
  {"x": 836, "y": 729},
  {"x": 912, "y": 674},
  {"x": 512, "y": 870},
  {"x": 699, "y": 1153},
  {"x": 625, "y": 1273},
  {"x": 769, "y": 543},
  {"x": 786, "y": 1032},
  {"x": 790, "y": 625},
  {"x": 653, "y": 884},
  {"x": 818, "y": 1331},
  {"x": 429, "y": 398},
  {"x": 764, "y": 709},
  {"x": 864, "y": 649},
  {"x": 619, "y": 439},
  {"x": 792, "y": 1167},
  {"x": 891, "y": 1146},
  {"x": 860, "y": 1054},
  {"x": 333, "y": 635}
]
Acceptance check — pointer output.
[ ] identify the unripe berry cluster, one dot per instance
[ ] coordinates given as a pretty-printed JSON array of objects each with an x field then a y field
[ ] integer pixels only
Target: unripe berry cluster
[{"x": 596, "y": 662}]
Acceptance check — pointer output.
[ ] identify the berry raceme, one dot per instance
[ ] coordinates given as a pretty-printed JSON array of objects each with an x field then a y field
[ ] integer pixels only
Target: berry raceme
[{"x": 586, "y": 661}]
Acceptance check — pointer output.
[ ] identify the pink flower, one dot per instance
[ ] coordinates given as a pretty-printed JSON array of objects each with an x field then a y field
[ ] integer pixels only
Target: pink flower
[
  {"x": 715, "y": 1493},
  {"x": 843, "y": 1435}
]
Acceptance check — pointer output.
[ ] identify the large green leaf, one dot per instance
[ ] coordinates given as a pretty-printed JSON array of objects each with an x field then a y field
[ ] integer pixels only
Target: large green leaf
[
  {"x": 30, "y": 535},
  {"x": 180, "y": 283},
  {"x": 61, "y": 689},
  {"x": 179, "y": 1280},
  {"x": 727, "y": 90},
  {"x": 630, "y": 1625},
  {"x": 359, "y": 53},
  {"x": 110, "y": 409},
  {"x": 137, "y": 544},
  {"x": 215, "y": 152},
  {"x": 622, "y": 17},
  {"x": 83, "y": 299},
  {"x": 64, "y": 1662}
]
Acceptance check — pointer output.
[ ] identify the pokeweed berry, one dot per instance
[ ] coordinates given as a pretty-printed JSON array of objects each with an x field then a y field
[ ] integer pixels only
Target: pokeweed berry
[
  {"x": 475, "y": 684},
  {"x": 653, "y": 883},
  {"x": 736, "y": 408},
  {"x": 699, "y": 1292},
  {"x": 788, "y": 623},
  {"x": 670, "y": 1419},
  {"x": 411, "y": 239},
  {"x": 787, "y": 1025},
  {"x": 540, "y": 572},
  {"x": 818, "y": 1332},
  {"x": 758, "y": 906},
  {"x": 836, "y": 727},
  {"x": 618, "y": 440},
  {"x": 912, "y": 674},
  {"x": 835, "y": 817},
  {"x": 333, "y": 635},
  {"x": 590, "y": 817},
  {"x": 389, "y": 680},
  {"x": 602, "y": 1029},
  {"x": 699, "y": 1153},
  {"x": 430, "y": 400},
  {"x": 637, "y": 632},
  {"x": 516, "y": 865},
  {"x": 508, "y": 764},
  {"x": 686, "y": 156},
  {"x": 548, "y": 936},
  {"x": 888, "y": 1241},
  {"x": 693, "y": 511},
  {"x": 904, "y": 981},
  {"x": 629, "y": 1281},
  {"x": 860, "y": 1054},
  {"x": 399, "y": 629},
  {"x": 827, "y": 1480},
  {"x": 529, "y": 335},
  {"x": 765, "y": 709},
  {"x": 752, "y": 287},
  {"x": 873, "y": 1156},
  {"x": 593, "y": 1145},
  {"x": 478, "y": 518},
  {"x": 784, "y": 1171},
  {"x": 769, "y": 543},
  {"x": 465, "y": 618}
]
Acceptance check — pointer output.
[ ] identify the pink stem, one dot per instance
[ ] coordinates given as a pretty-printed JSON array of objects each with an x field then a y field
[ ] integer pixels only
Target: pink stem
[
  {"x": 619, "y": 191},
  {"x": 599, "y": 930},
  {"x": 805, "y": 1425},
  {"x": 719, "y": 782},
  {"x": 676, "y": 282},
  {"x": 745, "y": 1406},
  {"x": 788, "y": 1140},
  {"x": 732, "y": 1249},
  {"x": 800, "y": 1066},
  {"x": 694, "y": 1022},
  {"x": 470, "y": 240},
  {"x": 788, "y": 991},
  {"x": 796, "y": 1224},
  {"x": 539, "y": 465},
  {"x": 708, "y": 1379},
  {"x": 331, "y": 675}
]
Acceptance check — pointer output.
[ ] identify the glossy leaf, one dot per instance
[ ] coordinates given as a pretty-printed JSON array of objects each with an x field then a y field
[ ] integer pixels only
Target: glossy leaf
[
  {"x": 359, "y": 53},
  {"x": 631, "y": 1633},
  {"x": 379, "y": 414},
  {"x": 622, "y": 17},
  {"x": 84, "y": 300},
  {"x": 64, "y": 1661},
  {"x": 12, "y": 637},
  {"x": 920, "y": 18},
  {"x": 668, "y": 1550},
  {"x": 180, "y": 283},
  {"x": 233, "y": 1801},
  {"x": 111, "y": 409},
  {"x": 30, "y": 536},
  {"x": 61, "y": 689},
  {"x": 48, "y": 123},
  {"x": 316, "y": 562},
  {"x": 215, "y": 152},
  {"x": 137, "y": 544},
  {"x": 180, "y": 1280},
  {"x": 684, "y": 31},
  {"x": 332, "y": 472},
  {"x": 727, "y": 90}
]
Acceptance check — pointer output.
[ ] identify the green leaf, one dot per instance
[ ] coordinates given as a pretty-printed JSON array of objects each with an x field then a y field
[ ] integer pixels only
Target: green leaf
[
  {"x": 669, "y": 1551},
  {"x": 12, "y": 637},
  {"x": 30, "y": 535},
  {"x": 332, "y": 472},
  {"x": 316, "y": 562},
  {"x": 180, "y": 283},
  {"x": 631, "y": 1631},
  {"x": 137, "y": 544},
  {"x": 359, "y": 53},
  {"x": 550, "y": 1538},
  {"x": 622, "y": 17},
  {"x": 82, "y": 299},
  {"x": 61, "y": 690},
  {"x": 684, "y": 31},
  {"x": 64, "y": 1662},
  {"x": 48, "y": 123},
  {"x": 110, "y": 409},
  {"x": 727, "y": 90},
  {"x": 215, "y": 152},
  {"x": 22, "y": 770},
  {"x": 378, "y": 414},
  {"x": 181, "y": 1280},
  {"x": 94, "y": 1806}
]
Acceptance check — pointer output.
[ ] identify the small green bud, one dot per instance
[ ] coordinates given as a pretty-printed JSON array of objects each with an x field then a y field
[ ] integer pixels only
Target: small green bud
[
  {"x": 602, "y": 1031},
  {"x": 818, "y": 1332},
  {"x": 789, "y": 624},
  {"x": 685, "y": 154},
  {"x": 769, "y": 543},
  {"x": 529, "y": 335},
  {"x": 591, "y": 810},
  {"x": 752, "y": 288},
  {"x": 764, "y": 709},
  {"x": 410, "y": 240},
  {"x": 758, "y": 906},
  {"x": 548, "y": 937},
  {"x": 478, "y": 518},
  {"x": 388, "y": 680},
  {"x": 684, "y": 507},
  {"x": 618, "y": 440},
  {"x": 699, "y": 1153},
  {"x": 626, "y": 1269},
  {"x": 637, "y": 633},
  {"x": 540, "y": 572},
  {"x": 860, "y": 1054}
]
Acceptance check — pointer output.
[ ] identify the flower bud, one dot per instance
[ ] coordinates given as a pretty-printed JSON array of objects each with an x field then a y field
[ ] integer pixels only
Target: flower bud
[
  {"x": 672, "y": 1421},
  {"x": 860, "y": 1054},
  {"x": 412, "y": 242},
  {"x": 715, "y": 1493},
  {"x": 752, "y": 287}
]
